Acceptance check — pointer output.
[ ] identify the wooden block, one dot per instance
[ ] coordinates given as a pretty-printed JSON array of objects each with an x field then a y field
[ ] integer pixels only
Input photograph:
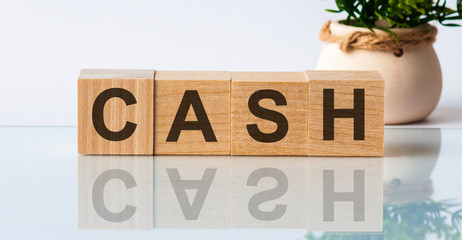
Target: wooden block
[
  {"x": 269, "y": 113},
  {"x": 345, "y": 194},
  {"x": 268, "y": 192},
  {"x": 192, "y": 113},
  {"x": 115, "y": 192},
  {"x": 345, "y": 113},
  {"x": 191, "y": 191},
  {"x": 116, "y": 112}
]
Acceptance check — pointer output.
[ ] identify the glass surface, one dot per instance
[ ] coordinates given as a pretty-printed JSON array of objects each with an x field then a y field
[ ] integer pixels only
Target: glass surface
[{"x": 48, "y": 191}]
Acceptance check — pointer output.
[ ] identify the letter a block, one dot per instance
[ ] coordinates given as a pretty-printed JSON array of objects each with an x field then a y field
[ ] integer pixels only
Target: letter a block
[
  {"x": 345, "y": 113},
  {"x": 116, "y": 112},
  {"x": 269, "y": 113},
  {"x": 192, "y": 115}
]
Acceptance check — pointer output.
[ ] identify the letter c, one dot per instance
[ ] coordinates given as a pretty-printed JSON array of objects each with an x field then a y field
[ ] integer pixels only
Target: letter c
[{"x": 98, "y": 112}]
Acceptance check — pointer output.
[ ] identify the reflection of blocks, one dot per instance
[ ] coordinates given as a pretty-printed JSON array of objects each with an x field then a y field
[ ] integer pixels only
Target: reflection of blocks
[
  {"x": 268, "y": 192},
  {"x": 346, "y": 113},
  {"x": 345, "y": 194},
  {"x": 116, "y": 112},
  {"x": 191, "y": 192},
  {"x": 192, "y": 113},
  {"x": 269, "y": 113},
  {"x": 115, "y": 192}
]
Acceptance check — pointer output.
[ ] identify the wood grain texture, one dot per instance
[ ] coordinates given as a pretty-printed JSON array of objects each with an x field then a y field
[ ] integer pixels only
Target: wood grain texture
[
  {"x": 343, "y": 83},
  {"x": 294, "y": 87},
  {"x": 213, "y": 88},
  {"x": 140, "y": 83}
]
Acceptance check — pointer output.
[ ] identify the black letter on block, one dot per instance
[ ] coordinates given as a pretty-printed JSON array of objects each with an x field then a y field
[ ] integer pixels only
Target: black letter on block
[
  {"x": 357, "y": 113},
  {"x": 98, "y": 112},
  {"x": 191, "y": 98},
  {"x": 278, "y": 118}
]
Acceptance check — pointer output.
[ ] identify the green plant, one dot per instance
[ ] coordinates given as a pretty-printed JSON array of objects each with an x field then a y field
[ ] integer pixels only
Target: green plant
[{"x": 398, "y": 13}]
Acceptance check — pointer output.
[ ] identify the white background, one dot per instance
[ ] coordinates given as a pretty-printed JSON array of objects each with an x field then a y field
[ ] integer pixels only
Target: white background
[{"x": 44, "y": 44}]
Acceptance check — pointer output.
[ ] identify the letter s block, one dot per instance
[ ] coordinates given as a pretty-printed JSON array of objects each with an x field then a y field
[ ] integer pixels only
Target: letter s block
[
  {"x": 269, "y": 113},
  {"x": 345, "y": 113},
  {"x": 192, "y": 115},
  {"x": 116, "y": 112}
]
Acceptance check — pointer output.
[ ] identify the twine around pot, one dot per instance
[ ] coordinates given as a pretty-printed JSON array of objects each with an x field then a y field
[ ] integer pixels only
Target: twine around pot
[{"x": 409, "y": 39}]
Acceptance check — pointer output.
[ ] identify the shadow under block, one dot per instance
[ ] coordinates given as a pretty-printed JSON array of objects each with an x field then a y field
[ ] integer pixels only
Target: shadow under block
[
  {"x": 191, "y": 191},
  {"x": 345, "y": 194},
  {"x": 115, "y": 192},
  {"x": 268, "y": 192},
  {"x": 116, "y": 112},
  {"x": 269, "y": 113},
  {"x": 346, "y": 113},
  {"x": 192, "y": 115}
]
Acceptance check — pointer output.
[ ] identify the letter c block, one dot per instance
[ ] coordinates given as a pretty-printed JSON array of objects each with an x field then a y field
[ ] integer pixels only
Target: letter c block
[
  {"x": 116, "y": 112},
  {"x": 269, "y": 113}
]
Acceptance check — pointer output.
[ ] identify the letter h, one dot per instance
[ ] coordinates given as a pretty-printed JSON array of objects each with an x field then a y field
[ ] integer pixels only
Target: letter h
[{"x": 329, "y": 114}]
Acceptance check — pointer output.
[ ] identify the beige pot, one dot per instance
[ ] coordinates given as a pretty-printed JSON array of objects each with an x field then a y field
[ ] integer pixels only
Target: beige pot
[{"x": 413, "y": 81}]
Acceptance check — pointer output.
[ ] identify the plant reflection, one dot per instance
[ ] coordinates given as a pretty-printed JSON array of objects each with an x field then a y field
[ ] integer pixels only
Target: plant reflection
[{"x": 409, "y": 212}]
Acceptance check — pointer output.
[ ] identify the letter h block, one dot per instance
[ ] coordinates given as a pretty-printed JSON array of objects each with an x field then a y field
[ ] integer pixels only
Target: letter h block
[
  {"x": 269, "y": 113},
  {"x": 345, "y": 113},
  {"x": 192, "y": 115},
  {"x": 116, "y": 112}
]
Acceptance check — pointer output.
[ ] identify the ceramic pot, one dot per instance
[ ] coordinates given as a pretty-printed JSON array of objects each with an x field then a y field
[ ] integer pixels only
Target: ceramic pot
[{"x": 413, "y": 81}]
